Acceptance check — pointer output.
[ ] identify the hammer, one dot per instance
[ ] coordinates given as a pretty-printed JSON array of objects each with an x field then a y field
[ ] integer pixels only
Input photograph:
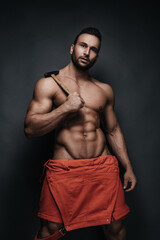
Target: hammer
[{"x": 60, "y": 84}]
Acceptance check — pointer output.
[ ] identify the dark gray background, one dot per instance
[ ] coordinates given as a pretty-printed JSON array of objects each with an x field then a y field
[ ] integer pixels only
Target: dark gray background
[{"x": 35, "y": 38}]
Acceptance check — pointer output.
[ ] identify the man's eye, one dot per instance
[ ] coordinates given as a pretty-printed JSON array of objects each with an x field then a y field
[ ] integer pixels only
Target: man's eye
[
  {"x": 95, "y": 50},
  {"x": 83, "y": 45}
]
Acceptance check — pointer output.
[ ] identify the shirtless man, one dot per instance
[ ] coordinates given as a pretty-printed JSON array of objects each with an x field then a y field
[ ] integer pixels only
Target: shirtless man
[{"x": 78, "y": 117}]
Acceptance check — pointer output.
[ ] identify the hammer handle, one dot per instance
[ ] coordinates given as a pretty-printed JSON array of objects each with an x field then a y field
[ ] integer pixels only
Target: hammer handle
[{"x": 64, "y": 88}]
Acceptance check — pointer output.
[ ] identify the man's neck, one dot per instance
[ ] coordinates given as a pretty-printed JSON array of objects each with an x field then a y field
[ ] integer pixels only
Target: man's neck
[{"x": 75, "y": 73}]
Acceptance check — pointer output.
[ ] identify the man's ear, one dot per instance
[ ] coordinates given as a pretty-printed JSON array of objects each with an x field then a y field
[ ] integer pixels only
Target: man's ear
[{"x": 72, "y": 48}]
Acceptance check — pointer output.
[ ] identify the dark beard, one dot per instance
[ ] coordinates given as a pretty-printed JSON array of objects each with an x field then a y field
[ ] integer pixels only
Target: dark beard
[{"x": 80, "y": 67}]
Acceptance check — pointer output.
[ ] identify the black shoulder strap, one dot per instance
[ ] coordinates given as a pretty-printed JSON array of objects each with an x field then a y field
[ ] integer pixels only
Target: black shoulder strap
[{"x": 48, "y": 74}]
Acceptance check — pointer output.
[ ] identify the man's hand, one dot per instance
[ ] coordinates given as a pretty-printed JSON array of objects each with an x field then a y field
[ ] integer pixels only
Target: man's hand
[
  {"x": 129, "y": 179},
  {"x": 74, "y": 102}
]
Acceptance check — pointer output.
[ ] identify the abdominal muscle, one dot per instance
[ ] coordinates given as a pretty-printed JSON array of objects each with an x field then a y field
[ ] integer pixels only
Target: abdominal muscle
[{"x": 80, "y": 140}]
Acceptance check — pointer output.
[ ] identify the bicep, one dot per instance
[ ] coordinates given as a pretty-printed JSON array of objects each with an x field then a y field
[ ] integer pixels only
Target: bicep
[{"x": 39, "y": 106}]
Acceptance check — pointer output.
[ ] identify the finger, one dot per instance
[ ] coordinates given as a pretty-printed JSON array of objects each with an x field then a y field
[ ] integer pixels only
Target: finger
[
  {"x": 82, "y": 100},
  {"x": 129, "y": 189},
  {"x": 133, "y": 184},
  {"x": 125, "y": 184}
]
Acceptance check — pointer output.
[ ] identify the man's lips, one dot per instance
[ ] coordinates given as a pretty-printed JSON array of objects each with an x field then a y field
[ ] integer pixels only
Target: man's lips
[{"x": 84, "y": 59}]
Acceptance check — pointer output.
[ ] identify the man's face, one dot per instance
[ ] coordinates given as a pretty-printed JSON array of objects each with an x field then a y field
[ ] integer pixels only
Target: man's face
[{"x": 85, "y": 52}]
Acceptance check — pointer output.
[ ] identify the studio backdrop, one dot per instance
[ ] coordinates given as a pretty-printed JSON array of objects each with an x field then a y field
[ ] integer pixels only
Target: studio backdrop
[{"x": 36, "y": 38}]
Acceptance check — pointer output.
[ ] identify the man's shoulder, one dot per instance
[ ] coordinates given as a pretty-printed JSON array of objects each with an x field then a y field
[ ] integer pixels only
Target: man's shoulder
[
  {"x": 45, "y": 86},
  {"x": 105, "y": 86},
  {"x": 44, "y": 82}
]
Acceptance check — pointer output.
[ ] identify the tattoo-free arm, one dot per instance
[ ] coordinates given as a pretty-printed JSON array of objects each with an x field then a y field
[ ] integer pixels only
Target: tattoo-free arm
[
  {"x": 116, "y": 139},
  {"x": 41, "y": 118}
]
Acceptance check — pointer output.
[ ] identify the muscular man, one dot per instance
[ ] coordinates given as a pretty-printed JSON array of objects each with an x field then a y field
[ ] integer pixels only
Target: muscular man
[{"x": 81, "y": 187}]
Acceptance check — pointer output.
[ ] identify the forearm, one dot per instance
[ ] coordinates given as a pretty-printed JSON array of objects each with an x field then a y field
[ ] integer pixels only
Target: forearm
[
  {"x": 40, "y": 124},
  {"x": 117, "y": 143}
]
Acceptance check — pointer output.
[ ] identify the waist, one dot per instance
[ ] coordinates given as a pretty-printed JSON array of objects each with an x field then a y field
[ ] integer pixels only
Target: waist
[{"x": 76, "y": 163}]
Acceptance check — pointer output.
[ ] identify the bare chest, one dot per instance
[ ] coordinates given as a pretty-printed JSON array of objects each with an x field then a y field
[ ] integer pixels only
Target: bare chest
[{"x": 93, "y": 95}]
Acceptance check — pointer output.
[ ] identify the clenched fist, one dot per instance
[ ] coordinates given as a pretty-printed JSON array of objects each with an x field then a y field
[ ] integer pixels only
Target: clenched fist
[{"x": 74, "y": 102}]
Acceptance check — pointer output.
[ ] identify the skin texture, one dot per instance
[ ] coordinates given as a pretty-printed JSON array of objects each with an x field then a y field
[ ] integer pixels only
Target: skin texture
[{"x": 79, "y": 117}]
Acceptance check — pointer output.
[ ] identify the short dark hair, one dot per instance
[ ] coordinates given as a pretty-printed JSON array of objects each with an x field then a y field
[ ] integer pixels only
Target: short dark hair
[{"x": 90, "y": 30}]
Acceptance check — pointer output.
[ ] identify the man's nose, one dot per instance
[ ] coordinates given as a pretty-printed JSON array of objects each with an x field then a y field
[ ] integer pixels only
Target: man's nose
[{"x": 86, "y": 52}]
